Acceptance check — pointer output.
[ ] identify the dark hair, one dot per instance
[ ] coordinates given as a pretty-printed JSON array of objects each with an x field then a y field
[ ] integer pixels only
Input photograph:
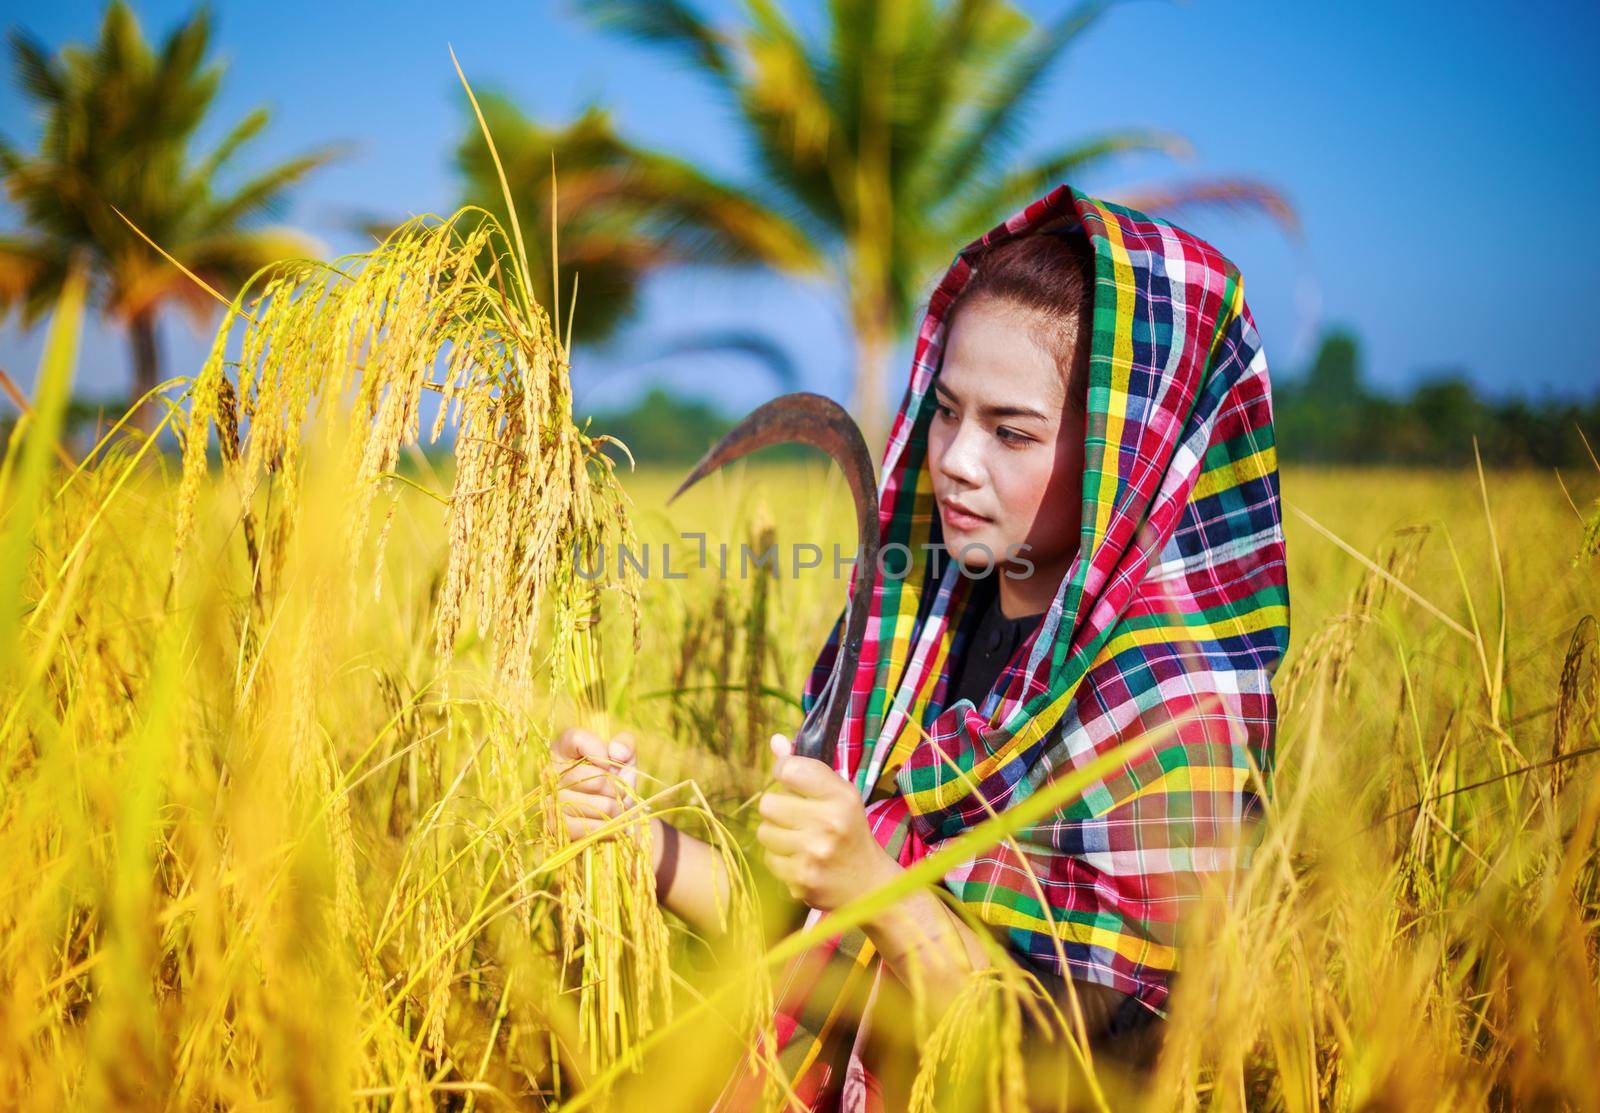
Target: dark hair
[{"x": 1051, "y": 274}]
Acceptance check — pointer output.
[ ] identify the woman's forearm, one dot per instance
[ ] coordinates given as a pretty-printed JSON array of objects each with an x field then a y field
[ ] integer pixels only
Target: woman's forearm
[
  {"x": 919, "y": 931},
  {"x": 691, "y": 880}
]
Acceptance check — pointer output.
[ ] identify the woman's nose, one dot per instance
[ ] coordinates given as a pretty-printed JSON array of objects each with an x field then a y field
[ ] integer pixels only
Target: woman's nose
[{"x": 961, "y": 458}]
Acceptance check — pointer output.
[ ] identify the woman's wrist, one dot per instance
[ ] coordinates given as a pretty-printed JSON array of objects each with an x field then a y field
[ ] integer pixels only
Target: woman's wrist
[
  {"x": 919, "y": 929},
  {"x": 894, "y": 928},
  {"x": 690, "y": 879},
  {"x": 664, "y": 841}
]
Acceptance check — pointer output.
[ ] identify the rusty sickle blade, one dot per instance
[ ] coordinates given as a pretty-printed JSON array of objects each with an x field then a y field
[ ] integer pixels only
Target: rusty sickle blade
[{"x": 811, "y": 419}]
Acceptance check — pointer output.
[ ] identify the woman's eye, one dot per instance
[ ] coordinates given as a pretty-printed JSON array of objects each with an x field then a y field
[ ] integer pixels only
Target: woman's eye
[
  {"x": 1012, "y": 437},
  {"x": 943, "y": 410}
]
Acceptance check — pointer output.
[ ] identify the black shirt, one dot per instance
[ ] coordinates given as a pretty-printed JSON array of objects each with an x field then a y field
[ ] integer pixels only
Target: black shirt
[{"x": 989, "y": 644}]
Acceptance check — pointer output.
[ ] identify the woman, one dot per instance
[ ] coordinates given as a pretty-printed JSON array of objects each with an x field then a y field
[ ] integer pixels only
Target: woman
[{"x": 1083, "y": 470}]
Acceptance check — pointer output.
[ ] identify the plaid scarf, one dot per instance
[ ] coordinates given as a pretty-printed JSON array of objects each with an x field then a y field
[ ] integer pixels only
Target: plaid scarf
[{"x": 1177, "y": 605}]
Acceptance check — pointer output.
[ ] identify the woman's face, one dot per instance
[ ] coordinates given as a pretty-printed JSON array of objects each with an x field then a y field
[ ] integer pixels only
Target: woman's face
[{"x": 1004, "y": 450}]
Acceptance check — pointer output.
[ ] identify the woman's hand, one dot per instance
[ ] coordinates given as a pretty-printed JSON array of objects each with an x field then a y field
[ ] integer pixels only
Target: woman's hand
[
  {"x": 598, "y": 780},
  {"x": 593, "y": 773},
  {"x": 814, "y": 832}
]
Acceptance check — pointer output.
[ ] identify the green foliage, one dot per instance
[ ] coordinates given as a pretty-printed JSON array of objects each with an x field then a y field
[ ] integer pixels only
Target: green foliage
[
  {"x": 1330, "y": 415},
  {"x": 665, "y": 428},
  {"x": 620, "y": 210},
  {"x": 119, "y": 121}
]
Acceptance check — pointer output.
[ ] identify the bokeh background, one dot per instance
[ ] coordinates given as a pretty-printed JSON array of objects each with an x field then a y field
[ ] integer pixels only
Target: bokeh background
[{"x": 1435, "y": 163}]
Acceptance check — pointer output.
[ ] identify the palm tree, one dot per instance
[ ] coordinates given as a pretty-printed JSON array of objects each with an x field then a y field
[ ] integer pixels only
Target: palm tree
[
  {"x": 118, "y": 122},
  {"x": 621, "y": 212},
  {"x": 889, "y": 139}
]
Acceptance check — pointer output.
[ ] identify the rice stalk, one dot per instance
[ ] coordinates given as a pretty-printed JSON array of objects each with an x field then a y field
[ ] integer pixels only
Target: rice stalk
[
  {"x": 441, "y": 307},
  {"x": 27, "y": 459},
  {"x": 980, "y": 1038},
  {"x": 1577, "y": 697}
]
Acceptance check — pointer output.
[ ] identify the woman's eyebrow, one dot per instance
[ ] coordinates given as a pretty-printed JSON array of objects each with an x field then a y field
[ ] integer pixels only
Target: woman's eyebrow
[{"x": 991, "y": 411}]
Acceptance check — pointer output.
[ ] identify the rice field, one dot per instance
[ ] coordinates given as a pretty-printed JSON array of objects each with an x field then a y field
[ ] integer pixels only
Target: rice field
[
  {"x": 283, "y": 852},
  {"x": 276, "y": 795}
]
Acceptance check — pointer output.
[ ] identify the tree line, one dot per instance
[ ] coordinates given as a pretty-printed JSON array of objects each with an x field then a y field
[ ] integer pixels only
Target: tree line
[
  {"x": 1329, "y": 413},
  {"x": 1325, "y": 413}
]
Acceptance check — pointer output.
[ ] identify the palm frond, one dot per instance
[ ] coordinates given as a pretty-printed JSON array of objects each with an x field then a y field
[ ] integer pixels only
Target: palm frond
[
  {"x": 31, "y": 274},
  {"x": 241, "y": 133},
  {"x": 670, "y": 24},
  {"x": 983, "y": 208},
  {"x": 967, "y": 36},
  {"x": 11, "y": 159},
  {"x": 264, "y": 192},
  {"x": 737, "y": 227},
  {"x": 122, "y": 50},
  {"x": 225, "y": 261},
  {"x": 37, "y": 75},
  {"x": 1237, "y": 194},
  {"x": 997, "y": 118},
  {"x": 185, "y": 48},
  {"x": 626, "y": 210},
  {"x": 784, "y": 96}
]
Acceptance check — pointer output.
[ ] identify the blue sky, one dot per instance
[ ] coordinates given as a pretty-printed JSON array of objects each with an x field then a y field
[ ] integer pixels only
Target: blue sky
[{"x": 1444, "y": 158}]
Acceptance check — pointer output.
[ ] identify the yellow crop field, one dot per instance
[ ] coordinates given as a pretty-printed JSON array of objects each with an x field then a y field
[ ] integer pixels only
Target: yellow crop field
[
  {"x": 280, "y": 813},
  {"x": 266, "y": 843}
]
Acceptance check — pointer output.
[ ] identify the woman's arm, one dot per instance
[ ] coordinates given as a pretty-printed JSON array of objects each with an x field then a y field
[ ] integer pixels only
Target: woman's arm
[
  {"x": 923, "y": 941},
  {"x": 691, "y": 880},
  {"x": 817, "y": 842},
  {"x": 922, "y": 931}
]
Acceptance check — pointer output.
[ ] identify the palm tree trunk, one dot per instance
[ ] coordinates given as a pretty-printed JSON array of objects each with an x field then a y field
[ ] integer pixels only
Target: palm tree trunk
[
  {"x": 874, "y": 349},
  {"x": 146, "y": 365}
]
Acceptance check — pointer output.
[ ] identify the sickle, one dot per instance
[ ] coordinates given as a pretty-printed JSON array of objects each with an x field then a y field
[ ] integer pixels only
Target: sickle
[{"x": 822, "y": 423}]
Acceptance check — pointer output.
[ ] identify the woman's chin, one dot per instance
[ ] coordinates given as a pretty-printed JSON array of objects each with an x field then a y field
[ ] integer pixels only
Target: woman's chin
[{"x": 972, "y": 549}]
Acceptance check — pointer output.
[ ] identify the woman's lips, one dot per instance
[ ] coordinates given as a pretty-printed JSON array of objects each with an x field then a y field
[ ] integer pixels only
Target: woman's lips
[{"x": 957, "y": 518}]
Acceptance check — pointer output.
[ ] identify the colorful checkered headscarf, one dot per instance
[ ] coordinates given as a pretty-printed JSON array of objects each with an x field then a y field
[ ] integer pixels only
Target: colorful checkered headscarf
[{"x": 1176, "y": 608}]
